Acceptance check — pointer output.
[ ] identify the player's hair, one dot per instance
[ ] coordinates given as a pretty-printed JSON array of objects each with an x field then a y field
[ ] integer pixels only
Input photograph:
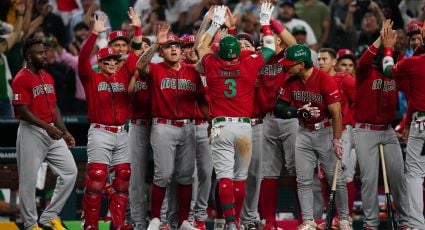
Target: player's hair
[
  {"x": 29, "y": 44},
  {"x": 81, "y": 26},
  {"x": 308, "y": 64},
  {"x": 330, "y": 51}
]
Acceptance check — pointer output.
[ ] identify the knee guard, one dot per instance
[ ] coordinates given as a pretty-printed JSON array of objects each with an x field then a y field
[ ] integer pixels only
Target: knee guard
[
  {"x": 96, "y": 177},
  {"x": 122, "y": 178}
]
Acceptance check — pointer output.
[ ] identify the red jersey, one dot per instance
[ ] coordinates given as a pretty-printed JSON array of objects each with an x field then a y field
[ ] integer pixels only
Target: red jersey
[
  {"x": 411, "y": 69},
  {"x": 320, "y": 89},
  {"x": 347, "y": 85},
  {"x": 107, "y": 96},
  {"x": 271, "y": 78},
  {"x": 141, "y": 102},
  {"x": 231, "y": 85},
  {"x": 37, "y": 91},
  {"x": 376, "y": 95},
  {"x": 174, "y": 92}
]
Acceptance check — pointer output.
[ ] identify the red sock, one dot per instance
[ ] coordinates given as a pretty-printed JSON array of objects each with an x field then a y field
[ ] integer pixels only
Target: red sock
[
  {"x": 218, "y": 210},
  {"x": 351, "y": 190},
  {"x": 184, "y": 196},
  {"x": 239, "y": 193},
  {"x": 325, "y": 189},
  {"x": 268, "y": 196},
  {"x": 157, "y": 197},
  {"x": 294, "y": 186},
  {"x": 227, "y": 199}
]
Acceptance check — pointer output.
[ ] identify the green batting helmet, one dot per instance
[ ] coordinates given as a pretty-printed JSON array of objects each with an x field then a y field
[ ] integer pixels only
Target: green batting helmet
[
  {"x": 295, "y": 54},
  {"x": 229, "y": 47}
]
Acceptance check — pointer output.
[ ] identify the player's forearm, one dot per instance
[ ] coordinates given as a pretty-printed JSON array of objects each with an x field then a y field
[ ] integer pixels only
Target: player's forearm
[
  {"x": 136, "y": 42},
  {"x": 132, "y": 84},
  {"x": 335, "y": 110},
  {"x": 146, "y": 57},
  {"x": 283, "y": 33},
  {"x": 59, "y": 122},
  {"x": 268, "y": 43},
  {"x": 26, "y": 115},
  {"x": 201, "y": 31},
  {"x": 388, "y": 62},
  {"x": 87, "y": 47}
]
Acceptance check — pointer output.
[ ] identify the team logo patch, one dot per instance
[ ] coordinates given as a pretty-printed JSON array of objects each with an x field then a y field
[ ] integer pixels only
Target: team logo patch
[{"x": 17, "y": 97}]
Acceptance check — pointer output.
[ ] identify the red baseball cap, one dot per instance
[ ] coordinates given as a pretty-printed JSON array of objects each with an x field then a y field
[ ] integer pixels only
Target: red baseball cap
[
  {"x": 245, "y": 36},
  {"x": 117, "y": 34},
  {"x": 106, "y": 53},
  {"x": 414, "y": 27},
  {"x": 171, "y": 38},
  {"x": 189, "y": 40},
  {"x": 345, "y": 53}
]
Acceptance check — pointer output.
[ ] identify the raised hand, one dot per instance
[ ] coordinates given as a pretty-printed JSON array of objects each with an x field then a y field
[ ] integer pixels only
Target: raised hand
[
  {"x": 162, "y": 33},
  {"x": 266, "y": 13},
  {"x": 219, "y": 15},
  {"x": 388, "y": 35},
  {"x": 231, "y": 20},
  {"x": 134, "y": 17},
  {"x": 20, "y": 7},
  {"x": 99, "y": 23}
]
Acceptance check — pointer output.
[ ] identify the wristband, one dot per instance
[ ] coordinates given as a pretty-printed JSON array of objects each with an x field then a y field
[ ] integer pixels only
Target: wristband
[
  {"x": 136, "y": 46},
  {"x": 266, "y": 30},
  {"x": 277, "y": 26},
  {"x": 138, "y": 31},
  {"x": 232, "y": 31},
  {"x": 388, "y": 51}
]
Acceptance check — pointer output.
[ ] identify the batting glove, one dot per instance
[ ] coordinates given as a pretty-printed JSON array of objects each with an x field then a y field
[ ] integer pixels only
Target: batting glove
[
  {"x": 337, "y": 147},
  {"x": 314, "y": 111},
  {"x": 219, "y": 15},
  {"x": 266, "y": 13}
]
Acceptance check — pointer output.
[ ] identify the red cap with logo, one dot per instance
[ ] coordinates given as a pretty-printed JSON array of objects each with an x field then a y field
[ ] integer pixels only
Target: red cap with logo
[
  {"x": 106, "y": 53},
  {"x": 117, "y": 34},
  {"x": 189, "y": 40},
  {"x": 345, "y": 53},
  {"x": 414, "y": 27},
  {"x": 171, "y": 38}
]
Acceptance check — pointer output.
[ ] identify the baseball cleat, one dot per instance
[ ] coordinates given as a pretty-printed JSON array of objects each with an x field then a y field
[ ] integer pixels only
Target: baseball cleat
[
  {"x": 219, "y": 224},
  {"x": 36, "y": 228},
  {"x": 307, "y": 225},
  {"x": 335, "y": 220},
  {"x": 344, "y": 225},
  {"x": 154, "y": 224},
  {"x": 55, "y": 224},
  {"x": 186, "y": 226}
]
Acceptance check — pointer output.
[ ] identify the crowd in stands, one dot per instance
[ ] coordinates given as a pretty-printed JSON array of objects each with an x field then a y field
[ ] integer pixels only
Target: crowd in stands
[{"x": 64, "y": 26}]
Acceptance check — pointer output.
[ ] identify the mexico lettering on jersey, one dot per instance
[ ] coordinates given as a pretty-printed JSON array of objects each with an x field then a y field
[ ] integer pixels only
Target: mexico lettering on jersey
[
  {"x": 174, "y": 92},
  {"x": 37, "y": 92},
  {"x": 376, "y": 95},
  {"x": 411, "y": 69},
  {"x": 107, "y": 96},
  {"x": 231, "y": 84},
  {"x": 141, "y": 103},
  {"x": 320, "y": 89},
  {"x": 271, "y": 79}
]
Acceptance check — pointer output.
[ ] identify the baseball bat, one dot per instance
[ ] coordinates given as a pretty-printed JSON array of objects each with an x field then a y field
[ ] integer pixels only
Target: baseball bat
[
  {"x": 330, "y": 212},
  {"x": 392, "y": 223}
]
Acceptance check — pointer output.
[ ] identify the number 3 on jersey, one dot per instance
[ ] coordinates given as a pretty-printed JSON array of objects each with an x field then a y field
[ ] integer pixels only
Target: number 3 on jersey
[{"x": 231, "y": 92}]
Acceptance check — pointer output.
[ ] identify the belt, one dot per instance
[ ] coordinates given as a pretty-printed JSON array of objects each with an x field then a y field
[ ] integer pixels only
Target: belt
[
  {"x": 141, "y": 122},
  {"x": 232, "y": 119},
  {"x": 316, "y": 126},
  {"x": 256, "y": 121},
  {"x": 373, "y": 127},
  {"x": 200, "y": 121},
  {"x": 177, "y": 123},
  {"x": 110, "y": 128}
]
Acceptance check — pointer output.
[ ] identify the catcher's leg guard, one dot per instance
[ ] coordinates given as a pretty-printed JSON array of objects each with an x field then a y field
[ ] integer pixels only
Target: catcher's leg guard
[
  {"x": 95, "y": 182},
  {"x": 119, "y": 197}
]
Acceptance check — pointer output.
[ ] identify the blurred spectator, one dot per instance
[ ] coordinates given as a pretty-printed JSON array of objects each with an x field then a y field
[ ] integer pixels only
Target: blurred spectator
[
  {"x": 402, "y": 44},
  {"x": 128, "y": 28},
  {"x": 414, "y": 30},
  {"x": 176, "y": 14},
  {"x": 157, "y": 16},
  {"x": 89, "y": 8},
  {"x": 319, "y": 20},
  {"x": 81, "y": 33},
  {"x": 198, "y": 12},
  {"x": 391, "y": 11},
  {"x": 143, "y": 8},
  {"x": 340, "y": 35},
  {"x": 245, "y": 6},
  {"x": 287, "y": 16},
  {"x": 250, "y": 25},
  {"x": 300, "y": 35}
]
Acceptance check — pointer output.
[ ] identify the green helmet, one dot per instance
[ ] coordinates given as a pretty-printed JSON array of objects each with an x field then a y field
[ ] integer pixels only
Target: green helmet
[
  {"x": 295, "y": 54},
  {"x": 229, "y": 47}
]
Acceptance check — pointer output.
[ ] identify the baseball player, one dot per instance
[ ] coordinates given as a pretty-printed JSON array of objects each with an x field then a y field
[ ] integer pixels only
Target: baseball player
[
  {"x": 317, "y": 98},
  {"x": 345, "y": 61},
  {"x": 42, "y": 136},
  {"x": 107, "y": 100},
  {"x": 176, "y": 89},
  {"x": 139, "y": 145},
  {"x": 375, "y": 109},
  {"x": 279, "y": 134},
  {"x": 204, "y": 166},
  {"x": 347, "y": 85},
  {"x": 411, "y": 69},
  {"x": 231, "y": 81}
]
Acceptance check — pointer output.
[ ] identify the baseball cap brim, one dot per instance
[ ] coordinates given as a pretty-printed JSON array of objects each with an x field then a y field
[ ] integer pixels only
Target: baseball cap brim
[
  {"x": 126, "y": 39},
  {"x": 285, "y": 62},
  {"x": 116, "y": 56},
  {"x": 349, "y": 56},
  {"x": 244, "y": 36}
]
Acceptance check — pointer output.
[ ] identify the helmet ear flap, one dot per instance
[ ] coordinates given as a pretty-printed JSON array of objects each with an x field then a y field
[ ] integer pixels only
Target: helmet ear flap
[{"x": 229, "y": 48}]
